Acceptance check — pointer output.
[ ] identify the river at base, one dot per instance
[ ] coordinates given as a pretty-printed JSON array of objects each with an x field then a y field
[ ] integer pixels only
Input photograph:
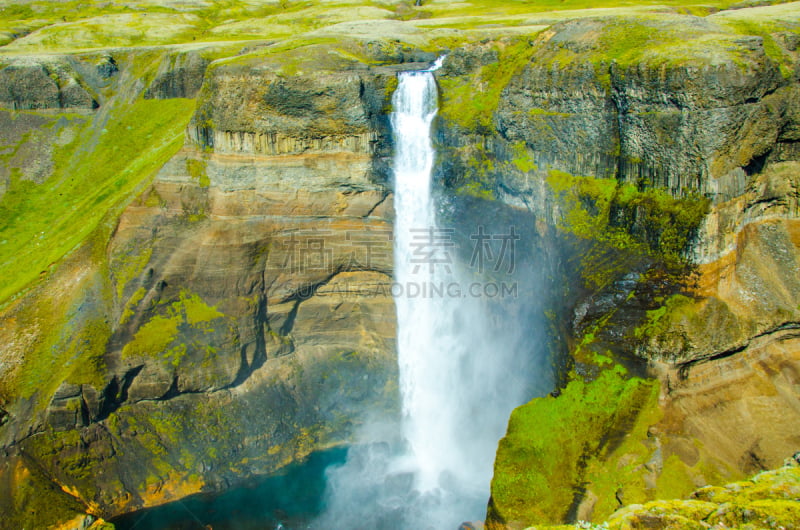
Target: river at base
[{"x": 290, "y": 500}]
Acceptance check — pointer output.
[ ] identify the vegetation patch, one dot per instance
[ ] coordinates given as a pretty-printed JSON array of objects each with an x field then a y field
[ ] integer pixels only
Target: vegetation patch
[
  {"x": 616, "y": 224},
  {"x": 732, "y": 506},
  {"x": 37, "y": 500},
  {"x": 542, "y": 462},
  {"x": 157, "y": 338},
  {"x": 771, "y": 47},
  {"x": 98, "y": 172},
  {"x": 659, "y": 320},
  {"x": 475, "y": 170},
  {"x": 197, "y": 170},
  {"x": 71, "y": 334},
  {"x": 128, "y": 265},
  {"x": 470, "y": 101}
]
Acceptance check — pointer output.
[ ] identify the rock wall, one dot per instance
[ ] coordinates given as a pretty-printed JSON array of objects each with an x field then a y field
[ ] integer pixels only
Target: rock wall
[
  {"x": 719, "y": 338},
  {"x": 45, "y": 83},
  {"x": 240, "y": 315},
  {"x": 705, "y": 119}
]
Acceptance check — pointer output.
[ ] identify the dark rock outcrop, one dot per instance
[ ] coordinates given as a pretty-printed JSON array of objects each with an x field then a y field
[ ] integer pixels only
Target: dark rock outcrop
[
  {"x": 179, "y": 76},
  {"x": 42, "y": 84}
]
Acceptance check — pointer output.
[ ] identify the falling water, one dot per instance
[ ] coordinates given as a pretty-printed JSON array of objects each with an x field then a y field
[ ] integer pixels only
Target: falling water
[
  {"x": 421, "y": 348},
  {"x": 457, "y": 373},
  {"x": 460, "y": 364}
]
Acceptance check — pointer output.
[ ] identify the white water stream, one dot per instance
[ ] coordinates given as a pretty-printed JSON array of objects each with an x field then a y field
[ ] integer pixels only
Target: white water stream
[
  {"x": 459, "y": 362},
  {"x": 454, "y": 379},
  {"x": 425, "y": 334}
]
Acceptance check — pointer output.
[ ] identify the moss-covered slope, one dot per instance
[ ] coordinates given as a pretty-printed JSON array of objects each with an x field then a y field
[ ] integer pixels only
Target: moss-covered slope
[{"x": 766, "y": 500}]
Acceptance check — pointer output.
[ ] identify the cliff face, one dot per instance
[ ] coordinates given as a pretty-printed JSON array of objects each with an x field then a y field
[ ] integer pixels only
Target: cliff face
[
  {"x": 704, "y": 123},
  {"x": 239, "y": 316},
  {"x": 719, "y": 332},
  {"x": 674, "y": 102}
]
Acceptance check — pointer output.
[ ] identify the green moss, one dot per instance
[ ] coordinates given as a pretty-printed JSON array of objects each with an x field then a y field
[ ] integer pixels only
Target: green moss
[
  {"x": 86, "y": 354},
  {"x": 667, "y": 515},
  {"x": 391, "y": 86},
  {"x": 38, "y": 501},
  {"x": 674, "y": 480},
  {"x": 771, "y": 48},
  {"x": 657, "y": 40},
  {"x": 620, "y": 472},
  {"x": 660, "y": 319},
  {"x": 535, "y": 112},
  {"x": 100, "y": 171},
  {"x": 476, "y": 169},
  {"x": 197, "y": 170},
  {"x": 770, "y": 513},
  {"x": 523, "y": 160},
  {"x": 130, "y": 306},
  {"x": 475, "y": 175},
  {"x": 154, "y": 338},
  {"x": 470, "y": 101},
  {"x": 543, "y": 459},
  {"x": 70, "y": 335},
  {"x": 730, "y": 506},
  {"x": 169, "y": 442},
  {"x": 128, "y": 265},
  {"x": 782, "y": 483},
  {"x": 624, "y": 40},
  {"x": 197, "y": 312},
  {"x": 158, "y": 336},
  {"x": 618, "y": 225},
  {"x": 154, "y": 432}
]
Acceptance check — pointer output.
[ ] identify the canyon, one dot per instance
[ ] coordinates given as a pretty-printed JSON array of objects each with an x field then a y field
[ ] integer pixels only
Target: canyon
[{"x": 196, "y": 241}]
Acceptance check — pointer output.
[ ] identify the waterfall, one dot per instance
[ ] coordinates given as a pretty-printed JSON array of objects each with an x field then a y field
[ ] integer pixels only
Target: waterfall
[
  {"x": 461, "y": 363},
  {"x": 457, "y": 377},
  {"x": 422, "y": 354}
]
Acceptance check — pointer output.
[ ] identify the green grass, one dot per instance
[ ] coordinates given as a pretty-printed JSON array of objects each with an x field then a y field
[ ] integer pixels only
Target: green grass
[
  {"x": 60, "y": 354},
  {"x": 98, "y": 172},
  {"x": 487, "y": 8},
  {"x": 80, "y": 24},
  {"x": 764, "y": 29}
]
